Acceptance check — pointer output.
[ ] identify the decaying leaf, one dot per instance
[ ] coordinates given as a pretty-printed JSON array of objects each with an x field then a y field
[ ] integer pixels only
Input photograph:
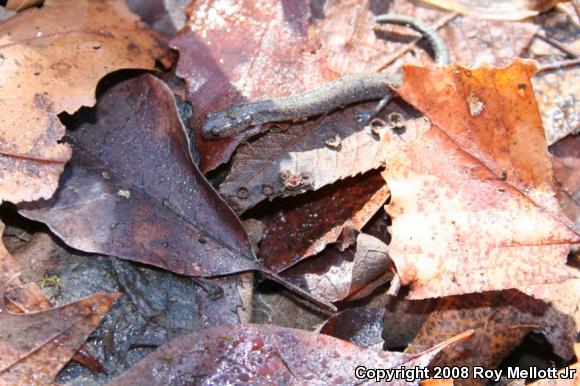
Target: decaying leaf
[
  {"x": 557, "y": 97},
  {"x": 566, "y": 164},
  {"x": 34, "y": 346},
  {"x": 353, "y": 273},
  {"x": 500, "y": 321},
  {"x": 497, "y": 9},
  {"x": 266, "y": 355},
  {"x": 244, "y": 50},
  {"x": 303, "y": 226},
  {"x": 473, "y": 204},
  {"x": 49, "y": 66},
  {"x": 28, "y": 297},
  {"x": 132, "y": 191},
  {"x": 329, "y": 149}
]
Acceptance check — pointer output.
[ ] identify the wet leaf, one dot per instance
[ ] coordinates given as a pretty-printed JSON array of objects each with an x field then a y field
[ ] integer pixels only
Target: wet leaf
[
  {"x": 265, "y": 355},
  {"x": 34, "y": 346},
  {"x": 353, "y": 273},
  {"x": 473, "y": 203},
  {"x": 49, "y": 67},
  {"x": 239, "y": 51},
  {"x": 132, "y": 191},
  {"x": 303, "y": 226},
  {"x": 22, "y": 297}
]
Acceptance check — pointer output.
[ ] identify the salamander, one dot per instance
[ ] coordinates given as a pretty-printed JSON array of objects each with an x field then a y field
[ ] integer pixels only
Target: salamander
[{"x": 246, "y": 119}]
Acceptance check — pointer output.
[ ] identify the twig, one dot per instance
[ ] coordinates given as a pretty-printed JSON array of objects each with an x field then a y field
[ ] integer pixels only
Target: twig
[
  {"x": 557, "y": 44},
  {"x": 558, "y": 65},
  {"x": 403, "y": 50}
]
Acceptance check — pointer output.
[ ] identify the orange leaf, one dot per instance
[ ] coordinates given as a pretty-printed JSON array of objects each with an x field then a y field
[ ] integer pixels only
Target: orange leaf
[{"x": 473, "y": 204}]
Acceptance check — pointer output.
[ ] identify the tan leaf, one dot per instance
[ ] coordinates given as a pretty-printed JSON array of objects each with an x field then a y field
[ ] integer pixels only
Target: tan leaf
[
  {"x": 49, "y": 66},
  {"x": 497, "y": 9}
]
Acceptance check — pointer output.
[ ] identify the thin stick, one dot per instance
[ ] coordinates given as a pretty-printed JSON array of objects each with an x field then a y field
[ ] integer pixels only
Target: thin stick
[
  {"x": 558, "y": 65},
  {"x": 403, "y": 50},
  {"x": 557, "y": 44}
]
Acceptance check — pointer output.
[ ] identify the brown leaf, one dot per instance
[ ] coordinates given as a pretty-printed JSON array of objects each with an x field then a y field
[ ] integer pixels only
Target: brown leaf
[
  {"x": 36, "y": 345},
  {"x": 48, "y": 67},
  {"x": 28, "y": 297},
  {"x": 353, "y": 273},
  {"x": 329, "y": 149},
  {"x": 497, "y": 9},
  {"x": 303, "y": 226},
  {"x": 243, "y": 51},
  {"x": 473, "y": 204},
  {"x": 566, "y": 165},
  {"x": 132, "y": 191},
  {"x": 500, "y": 321},
  {"x": 265, "y": 355}
]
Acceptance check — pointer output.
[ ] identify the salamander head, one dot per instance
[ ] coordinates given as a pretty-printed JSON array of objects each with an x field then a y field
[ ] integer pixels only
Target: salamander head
[{"x": 223, "y": 123}]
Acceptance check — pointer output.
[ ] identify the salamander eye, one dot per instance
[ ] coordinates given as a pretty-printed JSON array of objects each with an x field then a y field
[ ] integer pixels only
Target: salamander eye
[{"x": 215, "y": 132}]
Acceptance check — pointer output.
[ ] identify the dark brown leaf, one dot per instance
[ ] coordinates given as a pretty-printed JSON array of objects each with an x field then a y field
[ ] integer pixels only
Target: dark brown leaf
[
  {"x": 243, "y": 51},
  {"x": 132, "y": 191},
  {"x": 500, "y": 321},
  {"x": 304, "y": 225},
  {"x": 35, "y": 345}
]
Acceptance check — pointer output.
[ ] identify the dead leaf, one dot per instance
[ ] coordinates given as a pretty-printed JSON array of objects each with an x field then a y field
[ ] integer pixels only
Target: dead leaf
[
  {"x": 473, "y": 204},
  {"x": 28, "y": 297},
  {"x": 50, "y": 66},
  {"x": 303, "y": 226},
  {"x": 132, "y": 191},
  {"x": 566, "y": 164},
  {"x": 500, "y": 321},
  {"x": 497, "y": 9},
  {"x": 265, "y": 355},
  {"x": 34, "y": 346},
  {"x": 352, "y": 273},
  {"x": 557, "y": 94},
  {"x": 328, "y": 149},
  {"x": 233, "y": 52}
]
